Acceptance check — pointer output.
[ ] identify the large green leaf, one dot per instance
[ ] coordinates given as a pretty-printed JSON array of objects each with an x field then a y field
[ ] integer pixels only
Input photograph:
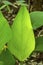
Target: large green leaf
[
  {"x": 6, "y": 58},
  {"x": 39, "y": 44},
  {"x": 22, "y": 43},
  {"x": 36, "y": 19},
  {"x": 5, "y": 31}
]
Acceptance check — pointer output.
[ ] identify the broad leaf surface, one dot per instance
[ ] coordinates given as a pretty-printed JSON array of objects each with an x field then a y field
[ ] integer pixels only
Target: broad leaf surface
[
  {"x": 22, "y": 43},
  {"x": 6, "y": 58},
  {"x": 39, "y": 44},
  {"x": 5, "y": 31},
  {"x": 36, "y": 19}
]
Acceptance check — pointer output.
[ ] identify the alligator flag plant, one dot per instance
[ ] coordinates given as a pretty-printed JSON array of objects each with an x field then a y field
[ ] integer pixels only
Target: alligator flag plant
[
  {"x": 22, "y": 43},
  {"x": 19, "y": 37},
  {"x": 5, "y": 31}
]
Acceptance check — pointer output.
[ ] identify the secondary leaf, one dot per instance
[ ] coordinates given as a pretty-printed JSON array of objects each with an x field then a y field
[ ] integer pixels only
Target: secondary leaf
[
  {"x": 39, "y": 44},
  {"x": 36, "y": 19},
  {"x": 22, "y": 43},
  {"x": 6, "y": 58},
  {"x": 5, "y": 31},
  {"x": 7, "y": 3},
  {"x": 21, "y": 2}
]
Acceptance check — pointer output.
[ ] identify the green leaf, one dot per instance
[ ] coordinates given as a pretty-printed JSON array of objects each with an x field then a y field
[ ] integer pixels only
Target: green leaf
[
  {"x": 5, "y": 31},
  {"x": 22, "y": 43},
  {"x": 21, "y": 2},
  {"x": 7, "y": 3},
  {"x": 39, "y": 44},
  {"x": 2, "y": 7},
  {"x": 36, "y": 19},
  {"x": 6, "y": 58}
]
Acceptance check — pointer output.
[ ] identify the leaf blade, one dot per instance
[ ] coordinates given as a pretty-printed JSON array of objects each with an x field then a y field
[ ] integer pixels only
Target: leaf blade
[
  {"x": 36, "y": 19},
  {"x": 39, "y": 44},
  {"x": 22, "y": 35},
  {"x": 6, "y": 58},
  {"x": 5, "y": 31}
]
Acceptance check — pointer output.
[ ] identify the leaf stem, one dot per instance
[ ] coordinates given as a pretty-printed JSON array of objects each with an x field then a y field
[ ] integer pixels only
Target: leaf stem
[{"x": 2, "y": 7}]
